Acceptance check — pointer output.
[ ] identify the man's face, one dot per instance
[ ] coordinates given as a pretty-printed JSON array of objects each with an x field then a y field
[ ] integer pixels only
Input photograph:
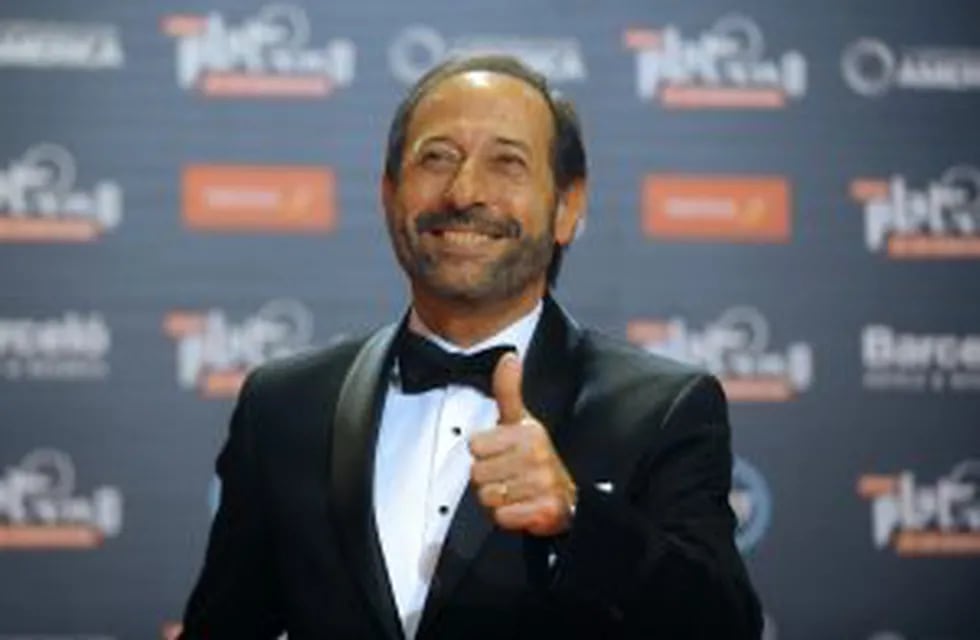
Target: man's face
[{"x": 472, "y": 216}]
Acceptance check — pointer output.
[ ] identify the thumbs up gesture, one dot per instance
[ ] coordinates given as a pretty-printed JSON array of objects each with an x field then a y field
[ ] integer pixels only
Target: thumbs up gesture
[{"x": 516, "y": 471}]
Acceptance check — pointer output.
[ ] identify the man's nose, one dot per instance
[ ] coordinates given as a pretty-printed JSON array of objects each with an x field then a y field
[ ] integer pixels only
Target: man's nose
[{"x": 467, "y": 188}]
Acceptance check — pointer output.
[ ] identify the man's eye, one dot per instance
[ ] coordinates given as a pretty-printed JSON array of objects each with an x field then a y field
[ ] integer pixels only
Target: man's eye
[
  {"x": 510, "y": 158},
  {"x": 437, "y": 159},
  {"x": 510, "y": 162}
]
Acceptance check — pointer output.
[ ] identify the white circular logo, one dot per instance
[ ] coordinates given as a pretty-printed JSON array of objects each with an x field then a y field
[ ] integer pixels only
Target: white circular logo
[
  {"x": 55, "y": 467},
  {"x": 966, "y": 181},
  {"x": 55, "y": 162},
  {"x": 286, "y": 327},
  {"x": 751, "y": 501},
  {"x": 289, "y": 23},
  {"x": 747, "y": 327},
  {"x": 415, "y": 51},
  {"x": 743, "y": 33},
  {"x": 868, "y": 66}
]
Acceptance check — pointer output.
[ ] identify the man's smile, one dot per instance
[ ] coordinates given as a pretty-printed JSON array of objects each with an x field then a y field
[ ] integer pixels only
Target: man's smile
[
  {"x": 462, "y": 236},
  {"x": 465, "y": 240}
]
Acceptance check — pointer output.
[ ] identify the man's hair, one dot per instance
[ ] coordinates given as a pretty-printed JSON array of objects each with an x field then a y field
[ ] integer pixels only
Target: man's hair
[{"x": 568, "y": 162}]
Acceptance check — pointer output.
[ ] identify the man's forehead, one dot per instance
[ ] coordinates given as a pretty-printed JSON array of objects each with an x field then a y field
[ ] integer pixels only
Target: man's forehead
[
  {"x": 478, "y": 78},
  {"x": 479, "y": 93}
]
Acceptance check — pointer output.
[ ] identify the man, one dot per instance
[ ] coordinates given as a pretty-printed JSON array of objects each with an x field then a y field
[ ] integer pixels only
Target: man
[{"x": 485, "y": 469}]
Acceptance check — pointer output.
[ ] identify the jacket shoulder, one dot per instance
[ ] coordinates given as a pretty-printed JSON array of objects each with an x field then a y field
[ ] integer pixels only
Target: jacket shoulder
[
  {"x": 319, "y": 368},
  {"x": 621, "y": 360},
  {"x": 616, "y": 372}
]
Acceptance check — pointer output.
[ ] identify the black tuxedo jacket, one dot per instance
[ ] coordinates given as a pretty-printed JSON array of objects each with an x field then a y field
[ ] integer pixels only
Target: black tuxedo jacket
[{"x": 650, "y": 553}]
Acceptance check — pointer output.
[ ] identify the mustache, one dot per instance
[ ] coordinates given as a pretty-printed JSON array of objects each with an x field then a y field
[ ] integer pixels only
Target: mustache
[{"x": 470, "y": 219}]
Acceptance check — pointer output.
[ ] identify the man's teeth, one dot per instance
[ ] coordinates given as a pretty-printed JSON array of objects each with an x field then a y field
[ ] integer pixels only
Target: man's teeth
[{"x": 464, "y": 237}]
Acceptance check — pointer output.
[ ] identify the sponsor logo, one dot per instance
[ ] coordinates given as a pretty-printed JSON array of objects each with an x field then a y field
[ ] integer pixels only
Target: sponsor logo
[
  {"x": 39, "y": 508},
  {"x": 214, "y": 354},
  {"x": 751, "y": 501},
  {"x": 872, "y": 68},
  {"x": 736, "y": 348},
  {"x": 419, "y": 48},
  {"x": 941, "y": 220},
  {"x": 903, "y": 361},
  {"x": 701, "y": 207},
  {"x": 724, "y": 67},
  {"x": 267, "y": 55},
  {"x": 259, "y": 198},
  {"x": 40, "y": 203},
  {"x": 72, "y": 347},
  {"x": 60, "y": 45},
  {"x": 918, "y": 519}
]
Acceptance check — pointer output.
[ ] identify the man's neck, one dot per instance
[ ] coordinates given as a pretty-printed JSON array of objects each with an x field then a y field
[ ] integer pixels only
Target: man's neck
[{"x": 465, "y": 323}]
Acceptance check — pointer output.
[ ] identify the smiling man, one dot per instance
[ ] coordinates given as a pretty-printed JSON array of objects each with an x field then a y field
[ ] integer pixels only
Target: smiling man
[{"x": 485, "y": 468}]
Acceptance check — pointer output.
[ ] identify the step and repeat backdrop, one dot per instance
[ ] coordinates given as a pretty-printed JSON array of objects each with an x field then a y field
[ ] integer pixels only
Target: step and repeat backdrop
[{"x": 785, "y": 193}]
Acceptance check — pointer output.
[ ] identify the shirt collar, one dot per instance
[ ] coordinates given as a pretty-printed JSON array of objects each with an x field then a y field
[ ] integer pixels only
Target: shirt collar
[{"x": 517, "y": 334}]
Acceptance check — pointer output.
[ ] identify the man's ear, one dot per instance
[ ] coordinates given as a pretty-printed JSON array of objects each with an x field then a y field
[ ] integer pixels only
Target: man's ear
[{"x": 571, "y": 210}]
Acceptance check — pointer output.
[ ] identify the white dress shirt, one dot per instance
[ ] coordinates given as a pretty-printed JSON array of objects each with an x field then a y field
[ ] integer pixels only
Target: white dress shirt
[{"x": 422, "y": 467}]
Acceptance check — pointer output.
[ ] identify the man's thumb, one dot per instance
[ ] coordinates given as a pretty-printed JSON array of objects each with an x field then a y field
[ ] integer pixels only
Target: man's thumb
[{"x": 507, "y": 388}]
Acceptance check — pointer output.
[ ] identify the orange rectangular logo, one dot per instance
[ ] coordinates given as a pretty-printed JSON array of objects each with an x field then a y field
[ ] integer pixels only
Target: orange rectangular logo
[
  {"x": 274, "y": 199},
  {"x": 724, "y": 208}
]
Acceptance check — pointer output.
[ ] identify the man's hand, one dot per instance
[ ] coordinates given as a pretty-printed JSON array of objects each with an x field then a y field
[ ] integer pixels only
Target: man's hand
[{"x": 516, "y": 471}]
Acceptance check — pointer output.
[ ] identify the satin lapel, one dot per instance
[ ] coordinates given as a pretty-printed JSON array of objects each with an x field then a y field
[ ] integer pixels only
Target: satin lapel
[
  {"x": 549, "y": 383},
  {"x": 551, "y": 370},
  {"x": 355, "y": 429}
]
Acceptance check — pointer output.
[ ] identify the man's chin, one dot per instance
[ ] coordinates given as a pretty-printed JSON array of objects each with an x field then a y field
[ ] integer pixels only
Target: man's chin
[
  {"x": 464, "y": 292},
  {"x": 462, "y": 286}
]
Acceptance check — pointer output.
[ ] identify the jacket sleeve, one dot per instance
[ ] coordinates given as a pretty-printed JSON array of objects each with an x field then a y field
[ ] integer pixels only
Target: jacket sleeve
[
  {"x": 657, "y": 559},
  {"x": 234, "y": 597}
]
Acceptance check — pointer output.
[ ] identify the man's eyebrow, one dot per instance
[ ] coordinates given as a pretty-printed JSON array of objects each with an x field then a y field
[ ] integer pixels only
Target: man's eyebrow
[
  {"x": 512, "y": 142},
  {"x": 420, "y": 142},
  {"x": 444, "y": 139}
]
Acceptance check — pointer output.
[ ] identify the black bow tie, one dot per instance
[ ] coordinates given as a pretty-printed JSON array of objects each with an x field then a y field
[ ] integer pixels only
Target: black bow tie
[{"x": 423, "y": 365}]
